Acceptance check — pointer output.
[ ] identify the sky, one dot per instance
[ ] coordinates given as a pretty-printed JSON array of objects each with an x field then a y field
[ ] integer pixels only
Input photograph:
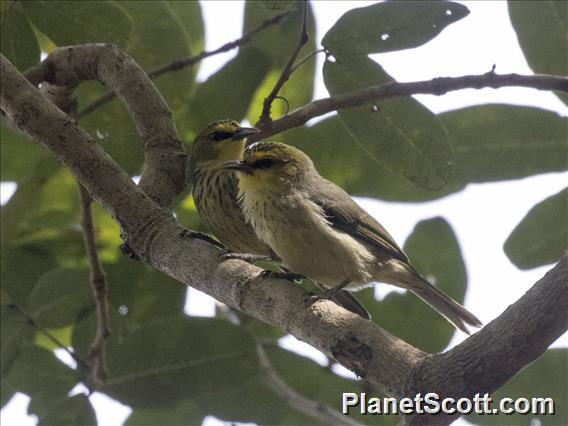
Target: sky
[{"x": 482, "y": 215}]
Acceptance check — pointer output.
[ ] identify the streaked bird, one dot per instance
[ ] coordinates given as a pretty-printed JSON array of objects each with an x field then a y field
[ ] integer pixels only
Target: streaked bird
[
  {"x": 215, "y": 190},
  {"x": 317, "y": 230}
]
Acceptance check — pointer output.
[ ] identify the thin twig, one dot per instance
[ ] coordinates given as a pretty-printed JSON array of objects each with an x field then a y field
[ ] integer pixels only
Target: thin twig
[
  {"x": 314, "y": 409},
  {"x": 97, "y": 350},
  {"x": 180, "y": 64},
  {"x": 437, "y": 86},
  {"x": 84, "y": 364},
  {"x": 287, "y": 71},
  {"x": 306, "y": 59}
]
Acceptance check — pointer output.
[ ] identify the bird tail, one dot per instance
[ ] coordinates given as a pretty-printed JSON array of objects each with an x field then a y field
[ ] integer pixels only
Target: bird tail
[{"x": 455, "y": 313}]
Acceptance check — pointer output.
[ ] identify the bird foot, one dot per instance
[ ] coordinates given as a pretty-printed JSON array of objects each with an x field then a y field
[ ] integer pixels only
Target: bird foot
[
  {"x": 126, "y": 250},
  {"x": 186, "y": 233},
  {"x": 288, "y": 276}
]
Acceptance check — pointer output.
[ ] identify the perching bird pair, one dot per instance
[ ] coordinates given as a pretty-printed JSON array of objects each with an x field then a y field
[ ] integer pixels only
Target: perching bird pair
[{"x": 268, "y": 200}]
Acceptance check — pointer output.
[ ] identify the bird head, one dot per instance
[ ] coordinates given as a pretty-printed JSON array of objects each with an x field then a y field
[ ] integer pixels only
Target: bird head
[
  {"x": 218, "y": 143},
  {"x": 271, "y": 164}
]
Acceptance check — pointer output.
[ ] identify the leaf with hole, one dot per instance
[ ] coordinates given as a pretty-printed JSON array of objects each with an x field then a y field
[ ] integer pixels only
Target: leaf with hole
[{"x": 388, "y": 26}]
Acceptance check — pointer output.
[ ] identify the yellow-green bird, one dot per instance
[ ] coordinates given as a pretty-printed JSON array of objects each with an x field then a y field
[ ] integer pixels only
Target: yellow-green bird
[
  {"x": 215, "y": 191},
  {"x": 317, "y": 230}
]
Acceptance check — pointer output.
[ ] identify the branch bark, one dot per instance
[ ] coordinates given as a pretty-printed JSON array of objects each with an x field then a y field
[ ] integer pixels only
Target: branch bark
[
  {"x": 437, "y": 86},
  {"x": 164, "y": 157},
  {"x": 388, "y": 363},
  {"x": 97, "y": 350}
]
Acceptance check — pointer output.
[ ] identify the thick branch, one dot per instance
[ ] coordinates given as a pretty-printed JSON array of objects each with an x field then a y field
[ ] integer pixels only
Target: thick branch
[
  {"x": 522, "y": 333},
  {"x": 153, "y": 232},
  {"x": 437, "y": 86},
  {"x": 489, "y": 358},
  {"x": 164, "y": 157}
]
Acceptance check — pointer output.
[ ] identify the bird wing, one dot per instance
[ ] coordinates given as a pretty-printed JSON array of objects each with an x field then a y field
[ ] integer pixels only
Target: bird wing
[{"x": 345, "y": 214}]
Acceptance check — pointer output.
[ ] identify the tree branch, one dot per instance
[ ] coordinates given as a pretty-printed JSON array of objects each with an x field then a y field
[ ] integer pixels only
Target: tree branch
[
  {"x": 294, "y": 399},
  {"x": 164, "y": 156},
  {"x": 97, "y": 350},
  {"x": 287, "y": 71},
  {"x": 382, "y": 359},
  {"x": 488, "y": 359},
  {"x": 180, "y": 64},
  {"x": 437, "y": 86}
]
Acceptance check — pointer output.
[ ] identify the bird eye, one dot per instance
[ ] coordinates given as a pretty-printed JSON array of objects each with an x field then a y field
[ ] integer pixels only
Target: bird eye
[
  {"x": 264, "y": 163},
  {"x": 219, "y": 136}
]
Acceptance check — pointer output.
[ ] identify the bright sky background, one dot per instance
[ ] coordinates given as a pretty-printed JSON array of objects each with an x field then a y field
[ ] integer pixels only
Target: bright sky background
[{"x": 482, "y": 215}]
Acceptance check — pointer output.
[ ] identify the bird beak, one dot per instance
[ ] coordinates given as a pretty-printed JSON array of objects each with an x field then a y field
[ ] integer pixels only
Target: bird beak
[
  {"x": 244, "y": 132},
  {"x": 240, "y": 166}
]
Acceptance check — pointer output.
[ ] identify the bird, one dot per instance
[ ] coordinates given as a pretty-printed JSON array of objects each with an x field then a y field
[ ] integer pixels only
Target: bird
[
  {"x": 317, "y": 230},
  {"x": 215, "y": 190}
]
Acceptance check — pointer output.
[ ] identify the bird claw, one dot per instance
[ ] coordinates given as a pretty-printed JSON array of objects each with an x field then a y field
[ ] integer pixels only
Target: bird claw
[
  {"x": 186, "y": 233},
  {"x": 288, "y": 276},
  {"x": 126, "y": 250},
  {"x": 327, "y": 294}
]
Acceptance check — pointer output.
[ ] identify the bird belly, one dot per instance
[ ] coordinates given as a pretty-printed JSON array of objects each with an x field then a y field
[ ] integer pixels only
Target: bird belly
[
  {"x": 306, "y": 243},
  {"x": 215, "y": 196}
]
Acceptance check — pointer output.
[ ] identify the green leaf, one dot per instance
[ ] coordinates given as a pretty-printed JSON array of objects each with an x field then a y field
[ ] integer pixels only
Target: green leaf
[
  {"x": 544, "y": 378},
  {"x": 188, "y": 357},
  {"x": 112, "y": 127},
  {"x": 542, "y": 236},
  {"x": 7, "y": 391},
  {"x": 18, "y": 42},
  {"x": 253, "y": 402},
  {"x": 227, "y": 93},
  {"x": 63, "y": 336},
  {"x": 78, "y": 22},
  {"x": 400, "y": 134},
  {"x": 60, "y": 296},
  {"x": 498, "y": 142},
  {"x": 146, "y": 293},
  {"x": 75, "y": 410},
  {"x": 434, "y": 250},
  {"x": 314, "y": 382},
  {"x": 388, "y": 26},
  {"x": 331, "y": 146},
  {"x": 21, "y": 268},
  {"x": 160, "y": 36},
  {"x": 38, "y": 373},
  {"x": 277, "y": 4},
  {"x": 186, "y": 412},
  {"x": 15, "y": 330},
  {"x": 542, "y": 30},
  {"x": 191, "y": 18},
  {"x": 84, "y": 329},
  {"x": 278, "y": 43}
]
